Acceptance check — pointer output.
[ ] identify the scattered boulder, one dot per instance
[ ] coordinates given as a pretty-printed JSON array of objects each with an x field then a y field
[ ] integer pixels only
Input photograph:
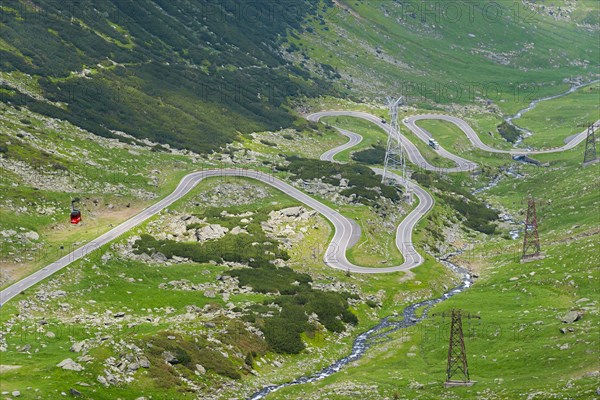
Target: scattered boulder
[
  {"x": 74, "y": 392},
  {"x": 200, "y": 369},
  {"x": 159, "y": 257},
  {"x": 70, "y": 365},
  {"x": 572, "y": 316},
  {"x": 416, "y": 385},
  {"x": 144, "y": 363},
  {"x": 293, "y": 211},
  {"x": 238, "y": 230},
  {"x": 170, "y": 358},
  {"x": 25, "y": 348},
  {"x": 16, "y": 393},
  {"x": 31, "y": 235},
  {"x": 212, "y": 231},
  {"x": 103, "y": 381},
  {"x": 77, "y": 347}
]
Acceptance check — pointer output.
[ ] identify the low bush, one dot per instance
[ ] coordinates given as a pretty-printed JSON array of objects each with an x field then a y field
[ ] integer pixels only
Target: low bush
[
  {"x": 373, "y": 156},
  {"x": 268, "y": 143},
  {"x": 297, "y": 300},
  {"x": 508, "y": 132},
  {"x": 234, "y": 248},
  {"x": 363, "y": 181},
  {"x": 477, "y": 216},
  {"x": 270, "y": 279}
]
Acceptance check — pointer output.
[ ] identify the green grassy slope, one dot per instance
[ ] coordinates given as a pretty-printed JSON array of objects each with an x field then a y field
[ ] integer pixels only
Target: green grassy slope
[
  {"x": 555, "y": 120},
  {"x": 45, "y": 163},
  {"x": 187, "y": 73},
  {"x": 98, "y": 285},
  {"x": 517, "y": 349},
  {"x": 463, "y": 52},
  {"x": 190, "y": 73}
]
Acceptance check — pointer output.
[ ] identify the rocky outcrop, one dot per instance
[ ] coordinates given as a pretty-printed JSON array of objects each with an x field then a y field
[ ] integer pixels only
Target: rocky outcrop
[
  {"x": 230, "y": 194},
  {"x": 288, "y": 225},
  {"x": 212, "y": 231}
]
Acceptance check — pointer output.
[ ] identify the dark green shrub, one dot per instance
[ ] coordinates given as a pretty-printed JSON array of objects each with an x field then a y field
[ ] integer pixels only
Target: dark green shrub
[
  {"x": 508, "y": 132},
  {"x": 268, "y": 143},
  {"x": 373, "y": 156}
]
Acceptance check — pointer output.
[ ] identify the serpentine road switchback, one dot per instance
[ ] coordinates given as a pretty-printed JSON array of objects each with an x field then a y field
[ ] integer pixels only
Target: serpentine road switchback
[
  {"x": 347, "y": 232},
  {"x": 415, "y": 156}
]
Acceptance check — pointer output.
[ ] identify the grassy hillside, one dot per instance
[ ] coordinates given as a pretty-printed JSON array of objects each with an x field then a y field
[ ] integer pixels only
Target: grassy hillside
[
  {"x": 463, "y": 52},
  {"x": 517, "y": 350},
  {"x": 555, "y": 120},
  {"x": 45, "y": 163},
  {"x": 191, "y": 74},
  {"x": 223, "y": 293},
  {"x": 195, "y": 310}
]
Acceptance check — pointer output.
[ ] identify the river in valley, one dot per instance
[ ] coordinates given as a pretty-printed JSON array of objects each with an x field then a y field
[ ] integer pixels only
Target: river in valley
[
  {"x": 534, "y": 103},
  {"x": 376, "y": 334}
]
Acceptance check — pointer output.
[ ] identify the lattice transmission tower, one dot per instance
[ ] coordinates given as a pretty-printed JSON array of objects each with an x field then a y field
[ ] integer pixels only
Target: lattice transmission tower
[
  {"x": 531, "y": 239},
  {"x": 457, "y": 369},
  {"x": 590, "y": 147},
  {"x": 395, "y": 156}
]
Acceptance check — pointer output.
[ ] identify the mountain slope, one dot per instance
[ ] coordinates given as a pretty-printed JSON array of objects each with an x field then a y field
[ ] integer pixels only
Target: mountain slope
[
  {"x": 454, "y": 52},
  {"x": 187, "y": 73}
]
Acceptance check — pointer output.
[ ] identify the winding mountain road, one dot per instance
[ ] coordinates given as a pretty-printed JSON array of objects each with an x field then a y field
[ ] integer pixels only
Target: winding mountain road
[
  {"x": 462, "y": 164},
  {"x": 412, "y": 152},
  {"x": 347, "y": 232}
]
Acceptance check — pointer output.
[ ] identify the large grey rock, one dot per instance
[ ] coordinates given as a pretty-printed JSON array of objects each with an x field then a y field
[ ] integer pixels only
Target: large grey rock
[
  {"x": 159, "y": 257},
  {"x": 571, "y": 317},
  {"x": 237, "y": 230},
  {"x": 25, "y": 348},
  {"x": 293, "y": 211},
  {"x": 170, "y": 358},
  {"x": 70, "y": 365},
  {"x": 212, "y": 231},
  {"x": 31, "y": 235},
  {"x": 144, "y": 363},
  {"x": 77, "y": 347}
]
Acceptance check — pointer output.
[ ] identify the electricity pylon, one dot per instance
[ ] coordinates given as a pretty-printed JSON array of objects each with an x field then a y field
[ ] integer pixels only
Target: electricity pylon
[
  {"x": 590, "y": 147},
  {"x": 531, "y": 239},
  {"x": 457, "y": 369},
  {"x": 395, "y": 155}
]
